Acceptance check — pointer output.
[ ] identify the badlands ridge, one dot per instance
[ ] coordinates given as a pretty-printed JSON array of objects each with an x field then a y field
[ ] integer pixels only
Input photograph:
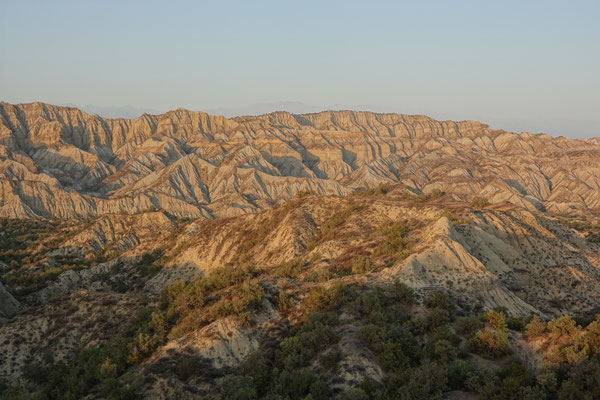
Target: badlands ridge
[{"x": 61, "y": 162}]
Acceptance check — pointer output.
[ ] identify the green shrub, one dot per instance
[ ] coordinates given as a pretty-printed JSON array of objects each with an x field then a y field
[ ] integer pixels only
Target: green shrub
[
  {"x": 467, "y": 326},
  {"x": 479, "y": 202},
  {"x": 246, "y": 297},
  {"x": 496, "y": 320},
  {"x": 298, "y": 384},
  {"x": 236, "y": 387},
  {"x": 516, "y": 324},
  {"x": 425, "y": 382},
  {"x": 437, "y": 317},
  {"x": 290, "y": 269},
  {"x": 402, "y": 293},
  {"x": 460, "y": 373},
  {"x": 561, "y": 327},
  {"x": 284, "y": 302},
  {"x": 438, "y": 300},
  {"x": 331, "y": 298},
  {"x": 329, "y": 361},
  {"x": 354, "y": 394},
  {"x": 315, "y": 335},
  {"x": 490, "y": 343},
  {"x": 362, "y": 265},
  {"x": 535, "y": 328},
  {"x": 441, "y": 350},
  {"x": 394, "y": 244},
  {"x": 229, "y": 275},
  {"x": 186, "y": 367},
  {"x": 392, "y": 357}
]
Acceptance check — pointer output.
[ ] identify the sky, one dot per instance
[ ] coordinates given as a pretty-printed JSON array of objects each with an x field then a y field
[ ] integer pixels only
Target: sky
[{"x": 517, "y": 65}]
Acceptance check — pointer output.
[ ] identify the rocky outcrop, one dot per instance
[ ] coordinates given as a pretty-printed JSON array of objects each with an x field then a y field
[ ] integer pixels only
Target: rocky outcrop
[{"x": 61, "y": 162}]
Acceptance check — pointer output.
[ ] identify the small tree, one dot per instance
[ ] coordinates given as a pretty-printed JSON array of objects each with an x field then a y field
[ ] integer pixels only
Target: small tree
[
  {"x": 403, "y": 293},
  {"x": 496, "y": 320},
  {"x": 362, "y": 264},
  {"x": 108, "y": 369},
  {"x": 284, "y": 302},
  {"x": 535, "y": 328},
  {"x": 492, "y": 341},
  {"x": 438, "y": 300}
]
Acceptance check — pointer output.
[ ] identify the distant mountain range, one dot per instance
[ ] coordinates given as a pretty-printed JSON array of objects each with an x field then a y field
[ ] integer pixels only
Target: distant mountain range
[{"x": 63, "y": 162}]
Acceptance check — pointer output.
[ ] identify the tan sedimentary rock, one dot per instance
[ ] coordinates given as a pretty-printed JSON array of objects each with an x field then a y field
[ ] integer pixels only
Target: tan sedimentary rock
[{"x": 62, "y": 162}]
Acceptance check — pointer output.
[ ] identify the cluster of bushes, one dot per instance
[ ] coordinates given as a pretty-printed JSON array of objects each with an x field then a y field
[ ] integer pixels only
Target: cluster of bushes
[
  {"x": 327, "y": 230},
  {"x": 571, "y": 356},
  {"x": 26, "y": 244},
  {"x": 19, "y": 234},
  {"x": 423, "y": 355},
  {"x": 380, "y": 190},
  {"x": 291, "y": 268},
  {"x": 492, "y": 340},
  {"x": 421, "y": 198},
  {"x": 363, "y": 264},
  {"x": 102, "y": 370},
  {"x": 299, "y": 366},
  {"x": 564, "y": 342},
  {"x": 394, "y": 245},
  {"x": 383, "y": 189},
  {"x": 424, "y": 350},
  {"x": 456, "y": 219},
  {"x": 226, "y": 291},
  {"x": 22, "y": 281},
  {"x": 419, "y": 354},
  {"x": 18, "y": 238},
  {"x": 579, "y": 223}
]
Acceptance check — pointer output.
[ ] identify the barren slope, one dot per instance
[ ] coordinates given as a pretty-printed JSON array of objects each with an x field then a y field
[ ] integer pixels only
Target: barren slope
[{"x": 62, "y": 162}]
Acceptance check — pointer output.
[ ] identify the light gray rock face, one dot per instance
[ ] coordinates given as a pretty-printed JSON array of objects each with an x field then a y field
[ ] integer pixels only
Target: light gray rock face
[{"x": 61, "y": 162}]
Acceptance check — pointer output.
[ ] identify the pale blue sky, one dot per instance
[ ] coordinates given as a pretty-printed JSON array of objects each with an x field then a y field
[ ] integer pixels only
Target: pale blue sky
[{"x": 518, "y": 65}]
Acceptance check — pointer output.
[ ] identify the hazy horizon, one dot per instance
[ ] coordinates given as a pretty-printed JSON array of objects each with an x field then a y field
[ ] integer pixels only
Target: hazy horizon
[{"x": 519, "y": 67}]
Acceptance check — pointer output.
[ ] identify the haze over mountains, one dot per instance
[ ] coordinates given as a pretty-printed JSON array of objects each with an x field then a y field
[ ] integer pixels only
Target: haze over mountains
[{"x": 570, "y": 128}]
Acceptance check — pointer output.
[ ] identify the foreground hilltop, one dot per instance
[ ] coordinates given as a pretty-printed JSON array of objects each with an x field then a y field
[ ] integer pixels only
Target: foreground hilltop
[
  {"x": 61, "y": 162},
  {"x": 378, "y": 294}
]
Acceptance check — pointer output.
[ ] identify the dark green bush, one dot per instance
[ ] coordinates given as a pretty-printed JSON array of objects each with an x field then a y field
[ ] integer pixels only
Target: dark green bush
[
  {"x": 467, "y": 326},
  {"x": 438, "y": 300},
  {"x": 402, "y": 293}
]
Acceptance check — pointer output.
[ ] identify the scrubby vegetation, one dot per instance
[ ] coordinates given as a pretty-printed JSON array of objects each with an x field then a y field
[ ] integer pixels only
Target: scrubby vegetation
[
  {"x": 422, "y": 345},
  {"x": 380, "y": 190},
  {"x": 24, "y": 244},
  {"x": 102, "y": 370},
  {"x": 424, "y": 348},
  {"x": 383, "y": 189},
  {"x": 394, "y": 245},
  {"x": 28, "y": 252},
  {"x": 327, "y": 230},
  {"x": 421, "y": 198},
  {"x": 582, "y": 223},
  {"x": 422, "y": 355},
  {"x": 226, "y": 291},
  {"x": 480, "y": 202}
]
